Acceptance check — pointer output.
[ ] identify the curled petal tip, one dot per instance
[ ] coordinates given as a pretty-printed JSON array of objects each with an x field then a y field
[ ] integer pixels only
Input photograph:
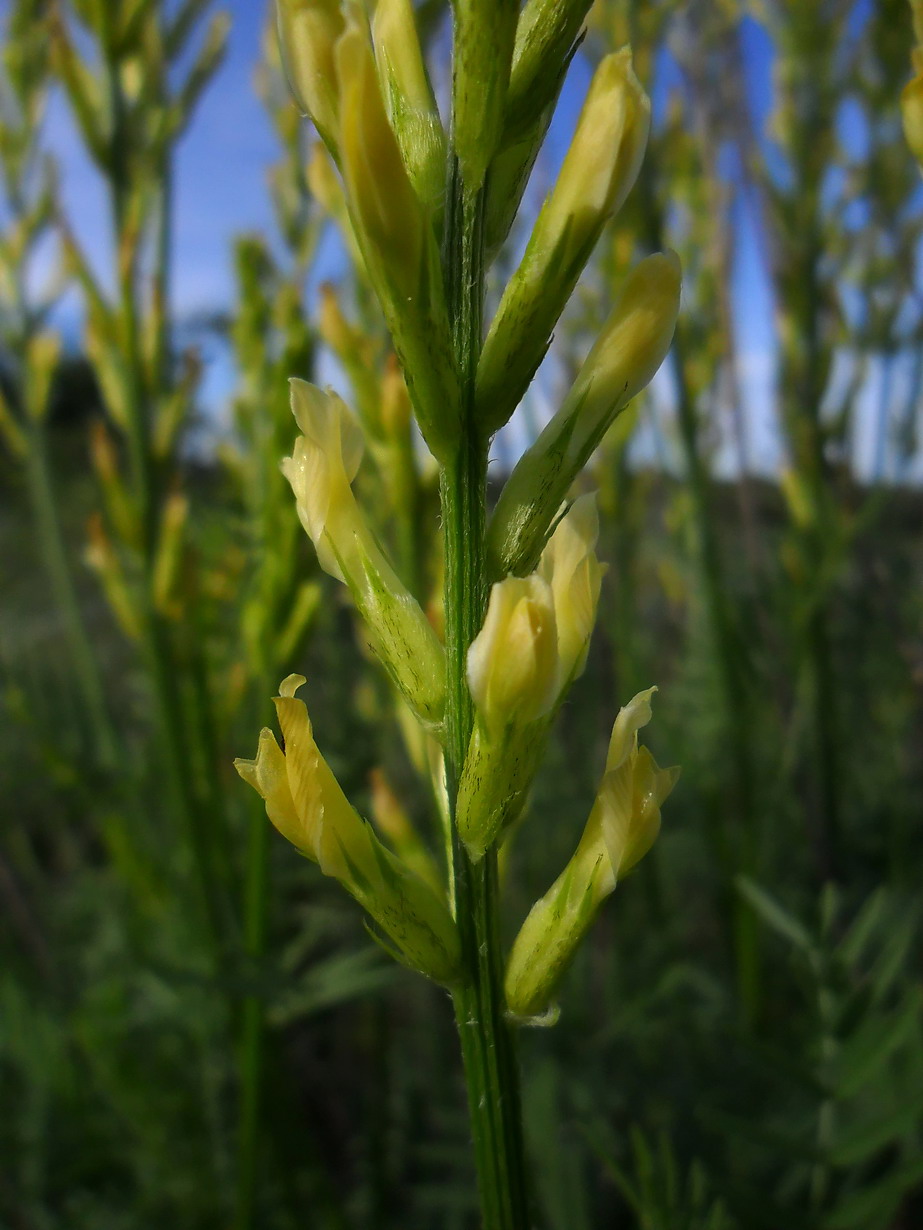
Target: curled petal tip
[{"x": 290, "y": 685}]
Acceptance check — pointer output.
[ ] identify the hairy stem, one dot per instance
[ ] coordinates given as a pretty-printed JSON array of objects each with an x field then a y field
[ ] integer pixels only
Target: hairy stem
[{"x": 488, "y": 1053}]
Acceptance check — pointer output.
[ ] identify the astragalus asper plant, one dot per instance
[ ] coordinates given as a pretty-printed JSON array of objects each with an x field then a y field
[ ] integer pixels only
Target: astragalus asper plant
[{"x": 428, "y": 210}]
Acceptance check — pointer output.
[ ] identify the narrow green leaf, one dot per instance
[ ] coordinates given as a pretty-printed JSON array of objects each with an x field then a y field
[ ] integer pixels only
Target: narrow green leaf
[
  {"x": 773, "y": 914},
  {"x": 858, "y": 1144},
  {"x": 874, "y": 1207},
  {"x": 872, "y": 1045}
]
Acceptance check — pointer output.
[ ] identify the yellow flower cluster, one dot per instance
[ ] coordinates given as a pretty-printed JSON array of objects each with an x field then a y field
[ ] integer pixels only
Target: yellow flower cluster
[{"x": 369, "y": 95}]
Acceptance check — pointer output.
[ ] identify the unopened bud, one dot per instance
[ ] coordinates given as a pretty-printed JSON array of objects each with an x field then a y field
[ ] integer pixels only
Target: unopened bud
[
  {"x": 509, "y": 175},
  {"x": 335, "y": 329},
  {"x": 395, "y": 400},
  {"x": 912, "y": 115},
  {"x": 600, "y": 167},
  {"x": 11, "y": 432},
  {"x": 169, "y": 551},
  {"x": 633, "y": 343},
  {"x": 308, "y": 34},
  {"x": 604, "y": 158},
  {"x": 545, "y": 38},
  {"x": 382, "y": 200},
  {"x": 513, "y": 661},
  {"x": 43, "y": 353},
  {"x": 409, "y": 98},
  {"x": 103, "y": 558},
  {"x": 513, "y": 676},
  {"x": 485, "y": 32},
  {"x": 398, "y": 245}
]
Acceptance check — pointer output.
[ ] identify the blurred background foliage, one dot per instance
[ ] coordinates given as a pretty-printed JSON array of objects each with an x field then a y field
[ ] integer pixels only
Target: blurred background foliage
[{"x": 193, "y": 1025}]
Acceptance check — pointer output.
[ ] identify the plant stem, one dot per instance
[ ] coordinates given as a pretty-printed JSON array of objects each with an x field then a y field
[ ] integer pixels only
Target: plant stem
[
  {"x": 488, "y": 1053},
  {"x": 157, "y": 640},
  {"x": 253, "y": 1022}
]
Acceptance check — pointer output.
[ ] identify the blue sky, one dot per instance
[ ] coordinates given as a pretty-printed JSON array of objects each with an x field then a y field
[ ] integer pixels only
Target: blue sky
[
  {"x": 221, "y": 192},
  {"x": 220, "y": 175}
]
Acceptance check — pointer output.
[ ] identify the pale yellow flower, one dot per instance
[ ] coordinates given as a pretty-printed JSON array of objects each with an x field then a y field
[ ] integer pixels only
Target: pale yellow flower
[
  {"x": 570, "y": 567},
  {"x": 324, "y": 462},
  {"x": 306, "y": 804},
  {"x": 622, "y": 827},
  {"x": 513, "y": 661}
]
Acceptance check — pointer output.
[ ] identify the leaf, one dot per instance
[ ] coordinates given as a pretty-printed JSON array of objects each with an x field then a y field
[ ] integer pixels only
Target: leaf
[
  {"x": 860, "y": 1210},
  {"x": 793, "y": 1143},
  {"x": 757, "y": 1210},
  {"x": 893, "y": 960},
  {"x": 774, "y": 916},
  {"x": 873, "y": 1044},
  {"x": 206, "y": 64},
  {"x": 859, "y": 1143},
  {"x": 84, "y": 94},
  {"x": 863, "y": 927},
  {"x": 331, "y": 982}
]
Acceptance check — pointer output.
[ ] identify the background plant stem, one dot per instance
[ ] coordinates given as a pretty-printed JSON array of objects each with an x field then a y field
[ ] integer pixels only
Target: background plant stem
[{"x": 54, "y": 555}]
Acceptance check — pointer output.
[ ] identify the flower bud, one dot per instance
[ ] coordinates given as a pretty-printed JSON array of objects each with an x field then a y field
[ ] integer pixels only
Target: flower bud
[
  {"x": 395, "y": 400},
  {"x": 308, "y": 33},
  {"x": 103, "y": 558},
  {"x": 621, "y": 829},
  {"x": 398, "y": 245},
  {"x": 11, "y": 432},
  {"x": 334, "y": 328},
  {"x": 42, "y": 356},
  {"x": 912, "y": 115},
  {"x": 485, "y": 32},
  {"x": 604, "y": 158},
  {"x": 306, "y": 804},
  {"x": 570, "y": 567},
  {"x": 633, "y": 343},
  {"x": 513, "y": 676},
  {"x": 324, "y": 462},
  {"x": 509, "y": 176},
  {"x": 599, "y": 170},
  {"x": 546, "y": 38},
  {"x": 169, "y": 554},
  {"x": 631, "y": 346},
  {"x": 513, "y": 661},
  {"x": 409, "y": 98},
  {"x": 499, "y": 768},
  {"x": 381, "y": 198}
]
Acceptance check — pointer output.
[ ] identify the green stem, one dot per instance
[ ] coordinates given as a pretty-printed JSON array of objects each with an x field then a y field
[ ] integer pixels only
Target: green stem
[
  {"x": 253, "y": 1021},
  {"x": 488, "y": 1052},
  {"x": 158, "y": 643}
]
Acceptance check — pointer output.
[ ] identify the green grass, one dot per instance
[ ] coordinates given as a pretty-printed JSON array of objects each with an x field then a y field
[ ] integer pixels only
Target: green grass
[{"x": 652, "y": 1104}]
